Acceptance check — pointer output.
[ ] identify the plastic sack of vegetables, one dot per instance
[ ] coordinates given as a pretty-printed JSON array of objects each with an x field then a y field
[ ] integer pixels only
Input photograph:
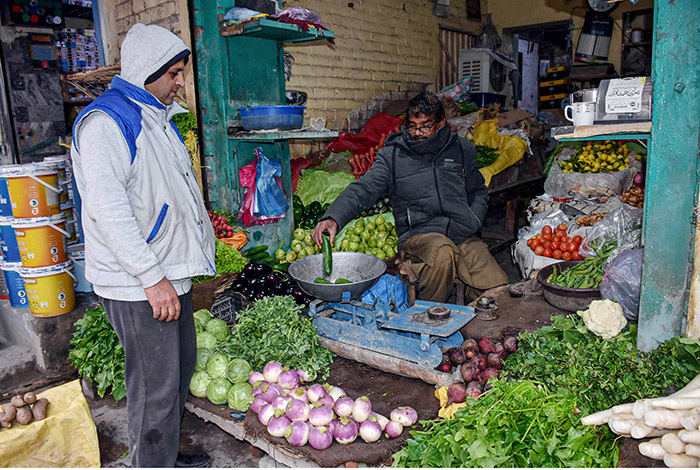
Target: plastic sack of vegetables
[
  {"x": 622, "y": 282},
  {"x": 269, "y": 199}
]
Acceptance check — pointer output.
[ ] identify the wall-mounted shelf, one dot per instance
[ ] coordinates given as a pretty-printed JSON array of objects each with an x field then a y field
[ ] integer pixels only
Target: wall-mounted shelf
[
  {"x": 283, "y": 135},
  {"x": 636, "y": 44},
  {"x": 629, "y": 131},
  {"x": 276, "y": 31}
]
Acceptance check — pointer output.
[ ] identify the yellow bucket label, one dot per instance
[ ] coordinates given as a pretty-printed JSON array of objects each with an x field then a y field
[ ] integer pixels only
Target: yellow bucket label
[
  {"x": 50, "y": 296},
  {"x": 31, "y": 198},
  {"x": 41, "y": 246}
]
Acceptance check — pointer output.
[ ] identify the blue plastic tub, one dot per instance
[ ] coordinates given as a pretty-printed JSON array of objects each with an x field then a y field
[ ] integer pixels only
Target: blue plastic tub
[{"x": 255, "y": 118}]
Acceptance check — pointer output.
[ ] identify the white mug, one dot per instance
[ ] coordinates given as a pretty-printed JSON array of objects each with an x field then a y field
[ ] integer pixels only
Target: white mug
[{"x": 583, "y": 114}]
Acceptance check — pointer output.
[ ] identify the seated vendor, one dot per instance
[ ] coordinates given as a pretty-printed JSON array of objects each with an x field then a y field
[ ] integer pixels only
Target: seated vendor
[{"x": 439, "y": 201}]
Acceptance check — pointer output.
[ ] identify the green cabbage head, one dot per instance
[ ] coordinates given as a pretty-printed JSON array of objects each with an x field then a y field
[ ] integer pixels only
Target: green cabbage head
[
  {"x": 203, "y": 355},
  {"x": 199, "y": 383},
  {"x": 238, "y": 371},
  {"x": 206, "y": 340},
  {"x": 217, "y": 391},
  {"x": 218, "y": 328},
  {"x": 240, "y": 396},
  {"x": 216, "y": 366},
  {"x": 202, "y": 317}
]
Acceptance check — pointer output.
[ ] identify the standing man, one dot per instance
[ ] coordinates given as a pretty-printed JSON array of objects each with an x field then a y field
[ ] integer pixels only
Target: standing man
[
  {"x": 146, "y": 235},
  {"x": 439, "y": 201}
]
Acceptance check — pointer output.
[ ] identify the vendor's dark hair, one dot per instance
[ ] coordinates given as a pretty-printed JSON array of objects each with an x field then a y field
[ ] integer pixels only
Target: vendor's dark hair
[{"x": 426, "y": 103}]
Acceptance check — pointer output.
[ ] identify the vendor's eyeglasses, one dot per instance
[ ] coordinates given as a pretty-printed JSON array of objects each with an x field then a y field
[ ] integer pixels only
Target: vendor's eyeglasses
[{"x": 421, "y": 129}]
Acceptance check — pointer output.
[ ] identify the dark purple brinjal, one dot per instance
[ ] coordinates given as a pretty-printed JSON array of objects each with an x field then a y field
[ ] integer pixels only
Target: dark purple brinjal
[
  {"x": 238, "y": 285},
  {"x": 258, "y": 295},
  {"x": 298, "y": 295},
  {"x": 279, "y": 289},
  {"x": 250, "y": 268},
  {"x": 247, "y": 292},
  {"x": 271, "y": 280},
  {"x": 291, "y": 288}
]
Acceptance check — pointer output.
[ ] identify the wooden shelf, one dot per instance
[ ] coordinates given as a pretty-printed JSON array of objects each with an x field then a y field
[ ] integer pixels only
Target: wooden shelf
[
  {"x": 638, "y": 44},
  {"x": 283, "y": 135},
  {"x": 631, "y": 131},
  {"x": 276, "y": 31}
]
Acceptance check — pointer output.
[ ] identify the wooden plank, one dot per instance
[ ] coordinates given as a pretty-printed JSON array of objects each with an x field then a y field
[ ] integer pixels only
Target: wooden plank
[
  {"x": 672, "y": 173},
  {"x": 582, "y": 132}
]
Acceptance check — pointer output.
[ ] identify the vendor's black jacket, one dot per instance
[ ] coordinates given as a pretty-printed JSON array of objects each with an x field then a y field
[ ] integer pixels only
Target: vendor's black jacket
[{"x": 433, "y": 185}]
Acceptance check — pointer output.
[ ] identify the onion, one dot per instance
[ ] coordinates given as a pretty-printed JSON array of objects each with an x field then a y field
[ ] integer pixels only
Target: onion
[
  {"x": 305, "y": 377},
  {"x": 269, "y": 391},
  {"x": 320, "y": 414},
  {"x": 343, "y": 406},
  {"x": 297, "y": 433},
  {"x": 361, "y": 409},
  {"x": 404, "y": 415},
  {"x": 320, "y": 438},
  {"x": 299, "y": 393},
  {"x": 393, "y": 429},
  {"x": 297, "y": 410},
  {"x": 272, "y": 371},
  {"x": 288, "y": 379},
  {"x": 381, "y": 419},
  {"x": 315, "y": 392},
  {"x": 277, "y": 426},
  {"x": 639, "y": 180},
  {"x": 336, "y": 392},
  {"x": 280, "y": 401},
  {"x": 345, "y": 431},
  {"x": 326, "y": 400},
  {"x": 254, "y": 377},
  {"x": 258, "y": 403},
  {"x": 370, "y": 431},
  {"x": 266, "y": 413}
]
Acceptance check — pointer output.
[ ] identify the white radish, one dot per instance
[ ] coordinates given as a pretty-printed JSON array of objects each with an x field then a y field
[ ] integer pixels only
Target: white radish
[
  {"x": 680, "y": 461},
  {"x": 692, "y": 421},
  {"x": 673, "y": 403},
  {"x": 672, "y": 443},
  {"x": 689, "y": 437},
  {"x": 653, "y": 450},
  {"x": 623, "y": 409},
  {"x": 596, "y": 419},
  {"x": 640, "y": 430},
  {"x": 693, "y": 450},
  {"x": 664, "y": 419},
  {"x": 621, "y": 426},
  {"x": 639, "y": 408}
]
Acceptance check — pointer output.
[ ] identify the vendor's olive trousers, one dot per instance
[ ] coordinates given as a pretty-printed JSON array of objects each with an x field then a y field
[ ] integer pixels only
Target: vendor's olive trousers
[
  {"x": 438, "y": 262},
  {"x": 159, "y": 362}
]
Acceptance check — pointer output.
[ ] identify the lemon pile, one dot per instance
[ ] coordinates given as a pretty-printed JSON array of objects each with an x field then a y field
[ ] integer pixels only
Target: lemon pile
[{"x": 598, "y": 157}]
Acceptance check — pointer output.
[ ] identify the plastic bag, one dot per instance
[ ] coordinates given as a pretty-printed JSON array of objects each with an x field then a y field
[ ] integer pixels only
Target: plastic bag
[
  {"x": 623, "y": 224},
  {"x": 552, "y": 217},
  {"x": 458, "y": 91},
  {"x": 622, "y": 282},
  {"x": 269, "y": 198},
  {"x": 246, "y": 176},
  {"x": 388, "y": 289}
]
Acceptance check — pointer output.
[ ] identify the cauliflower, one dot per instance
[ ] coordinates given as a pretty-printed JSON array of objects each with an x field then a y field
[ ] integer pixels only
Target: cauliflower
[{"x": 604, "y": 318}]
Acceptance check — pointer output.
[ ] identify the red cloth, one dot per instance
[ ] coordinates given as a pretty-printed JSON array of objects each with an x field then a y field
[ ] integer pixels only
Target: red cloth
[
  {"x": 298, "y": 164},
  {"x": 368, "y": 137}
]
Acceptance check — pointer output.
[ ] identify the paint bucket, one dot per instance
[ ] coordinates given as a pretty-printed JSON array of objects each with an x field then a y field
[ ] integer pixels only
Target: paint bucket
[
  {"x": 15, "y": 284},
  {"x": 33, "y": 190},
  {"x": 49, "y": 289},
  {"x": 67, "y": 211},
  {"x": 41, "y": 241},
  {"x": 8, "y": 241},
  {"x": 76, "y": 253},
  {"x": 5, "y": 204},
  {"x": 59, "y": 163}
]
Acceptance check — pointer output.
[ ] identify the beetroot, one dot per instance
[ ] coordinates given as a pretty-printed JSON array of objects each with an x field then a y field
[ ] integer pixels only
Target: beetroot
[
  {"x": 479, "y": 361},
  {"x": 501, "y": 351},
  {"x": 510, "y": 344},
  {"x": 456, "y": 393},
  {"x": 456, "y": 356},
  {"x": 486, "y": 346},
  {"x": 473, "y": 389},
  {"x": 469, "y": 372},
  {"x": 470, "y": 353},
  {"x": 469, "y": 344},
  {"x": 493, "y": 361},
  {"x": 445, "y": 366},
  {"x": 489, "y": 373}
]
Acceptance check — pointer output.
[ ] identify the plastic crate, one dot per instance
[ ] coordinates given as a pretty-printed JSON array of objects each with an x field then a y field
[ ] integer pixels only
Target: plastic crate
[{"x": 227, "y": 304}]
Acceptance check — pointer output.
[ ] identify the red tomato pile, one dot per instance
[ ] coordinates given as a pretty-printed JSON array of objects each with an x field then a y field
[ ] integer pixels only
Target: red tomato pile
[{"x": 554, "y": 243}]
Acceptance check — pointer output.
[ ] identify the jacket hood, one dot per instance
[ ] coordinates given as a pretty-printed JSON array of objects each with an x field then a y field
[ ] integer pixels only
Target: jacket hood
[
  {"x": 403, "y": 141},
  {"x": 145, "y": 50}
]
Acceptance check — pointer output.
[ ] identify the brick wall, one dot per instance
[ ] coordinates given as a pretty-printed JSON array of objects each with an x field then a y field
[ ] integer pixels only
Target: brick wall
[{"x": 385, "y": 50}]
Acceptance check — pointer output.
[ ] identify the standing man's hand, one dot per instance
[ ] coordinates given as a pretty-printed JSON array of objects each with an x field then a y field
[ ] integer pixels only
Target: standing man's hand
[
  {"x": 164, "y": 301},
  {"x": 326, "y": 225}
]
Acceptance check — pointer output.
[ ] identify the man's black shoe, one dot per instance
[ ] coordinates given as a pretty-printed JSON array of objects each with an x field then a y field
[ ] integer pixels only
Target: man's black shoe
[{"x": 192, "y": 460}]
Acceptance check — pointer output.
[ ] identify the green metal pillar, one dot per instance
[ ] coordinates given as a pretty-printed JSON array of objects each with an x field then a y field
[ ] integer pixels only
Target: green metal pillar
[{"x": 672, "y": 172}]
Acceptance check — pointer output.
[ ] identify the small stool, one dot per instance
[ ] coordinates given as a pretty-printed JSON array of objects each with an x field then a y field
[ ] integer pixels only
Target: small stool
[{"x": 407, "y": 273}]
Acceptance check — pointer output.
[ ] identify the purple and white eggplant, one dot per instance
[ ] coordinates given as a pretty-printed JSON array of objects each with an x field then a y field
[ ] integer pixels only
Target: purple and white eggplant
[
  {"x": 288, "y": 379},
  {"x": 393, "y": 429},
  {"x": 258, "y": 403},
  {"x": 314, "y": 392},
  {"x": 320, "y": 438},
  {"x": 297, "y": 433},
  {"x": 343, "y": 407},
  {"x": 278, "y": 424},
  {"x": 266, "y": 413},
  {"x": 404, "y": 415},
  {"x": 320, "y": 414},
  {"x": 361, "y": 409},
  {"x": 345, "y": 431},
  {"x": 254, "y": 377},
  {"x": 370, "y": 430},
  {"x": 272, "y": 371},
  {"x": 297, "y": 410}
]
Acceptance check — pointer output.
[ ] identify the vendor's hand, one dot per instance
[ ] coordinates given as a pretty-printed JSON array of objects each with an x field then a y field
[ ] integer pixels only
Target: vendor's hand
[
  {"x": 326, "y": 225},
  {"x": 164, "y": 301}
]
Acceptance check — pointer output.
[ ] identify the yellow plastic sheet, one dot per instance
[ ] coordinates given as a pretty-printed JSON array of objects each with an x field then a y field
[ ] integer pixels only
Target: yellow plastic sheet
[
  {"x": 450, "y": 410},
  {"x": 510, "y": 148},
  {"x": 66, "y": 438}
]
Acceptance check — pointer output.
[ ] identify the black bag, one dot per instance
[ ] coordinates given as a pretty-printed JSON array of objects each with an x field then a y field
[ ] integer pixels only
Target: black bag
[{"x": 263, "y": 6}]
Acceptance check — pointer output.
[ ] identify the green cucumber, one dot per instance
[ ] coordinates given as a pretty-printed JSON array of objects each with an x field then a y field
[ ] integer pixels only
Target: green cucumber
[
  {"x": 282, "y": 267},
  {"x": 255, "y": 258},
  {"x": 268, "y": 260},
  {"x": 257, "y": 249},
  {"x": 327, "y": 251},
  {"x": 320, "y": 280},
  {"x": 340, "y": 280}
]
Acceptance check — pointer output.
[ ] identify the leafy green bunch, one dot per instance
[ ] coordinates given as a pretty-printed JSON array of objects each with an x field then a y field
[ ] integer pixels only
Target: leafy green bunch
[
  {"x": 485, "y": 155},
  {"x": 228, "y": 260},
  {"x": 97, "y": 353}
]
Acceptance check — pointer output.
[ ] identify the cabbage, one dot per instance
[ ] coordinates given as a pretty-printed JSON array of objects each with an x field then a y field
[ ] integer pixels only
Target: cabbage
[
  {"x": 216, "y": 366},
  {"x": 217, "y": 391},
  {"x": 198, "y": 384},
  {"x": 206, "y": 340},
  {"x": 240, "y": 396},
  {"x": 218, "y": 328},
  {"x": 201, "y": 317},
  {"x": 203, "y": 355},
  {"x": 238, "y": 371}
]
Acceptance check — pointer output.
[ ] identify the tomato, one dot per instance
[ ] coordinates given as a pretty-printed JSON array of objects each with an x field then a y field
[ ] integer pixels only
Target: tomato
[
  {"x": 557, "y": 254},
  {"x": 547, "y": 245},
  {"x": 577, "y": 239},
  {"x": 539, "y": 250},
  {"x": 562, "y": 227},
  {"x": 546, "y": 230},
  {"x": 575, "y": 256},
  {"x": 566, "y": 256},
  {"x": 565, "y": 239},
  {"x": 559, "y": 233},
  {"x": 529, "y": 242},
  {"x": 547, "y": 252},
  {"x": 547, "y": 236},
  {"x": 555, "y": 246},
  {"x": 538, "y": 236},
  {"x": 556, "y": 238}
]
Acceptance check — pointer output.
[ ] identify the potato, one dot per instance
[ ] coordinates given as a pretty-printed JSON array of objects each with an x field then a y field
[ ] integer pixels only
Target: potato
[
  {"x": 9, "y": 412},
  {"x": 39, "y": 409},
  {"x": 4, "y": 424},
  {"x": 29, "y": 398},
  {"x": 24, "y": 415},
  {"x": 17, "y": 401}
]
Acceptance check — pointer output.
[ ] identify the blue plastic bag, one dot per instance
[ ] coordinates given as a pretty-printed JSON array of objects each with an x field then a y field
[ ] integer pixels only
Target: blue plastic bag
[
  {"x": 388, "y": 288},
  {"x": 269, "y": 199}
]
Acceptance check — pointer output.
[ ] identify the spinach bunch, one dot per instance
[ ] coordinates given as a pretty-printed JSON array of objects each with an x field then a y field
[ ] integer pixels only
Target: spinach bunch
[
  {"x": 485, "y": 155},
  {"x": 274, "y": 329},
  {"x": 516, "y": 424},
  {"x": 97, "y": 353}
]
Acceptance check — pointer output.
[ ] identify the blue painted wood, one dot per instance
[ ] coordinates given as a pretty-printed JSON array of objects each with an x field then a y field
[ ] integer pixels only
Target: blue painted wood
[{"x": 672, "y": 172}]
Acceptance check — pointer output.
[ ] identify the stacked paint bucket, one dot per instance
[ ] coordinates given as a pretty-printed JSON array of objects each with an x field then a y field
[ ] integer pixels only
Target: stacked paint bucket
[{"x": 39, "y": 231}]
